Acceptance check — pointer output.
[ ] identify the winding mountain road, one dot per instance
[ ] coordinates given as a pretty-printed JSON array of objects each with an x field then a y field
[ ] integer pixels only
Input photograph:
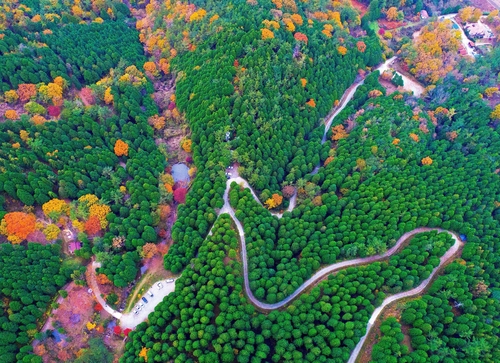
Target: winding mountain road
[{"x": 322, "y": 273}]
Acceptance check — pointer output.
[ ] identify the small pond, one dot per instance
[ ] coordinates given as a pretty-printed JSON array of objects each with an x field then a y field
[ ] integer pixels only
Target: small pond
[{"x": 180, "y": 172}]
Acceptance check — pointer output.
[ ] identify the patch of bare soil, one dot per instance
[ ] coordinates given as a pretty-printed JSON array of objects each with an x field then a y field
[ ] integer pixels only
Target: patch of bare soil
[
  {"x": 389, "y": 87},
  {"x": 484, "y": 5}
]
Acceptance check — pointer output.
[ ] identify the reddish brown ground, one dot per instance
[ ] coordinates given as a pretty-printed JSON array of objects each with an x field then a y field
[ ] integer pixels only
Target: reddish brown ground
[
  {"x": 362, "y": 8},
  {"x": 386, "y": 24},
  {"x": 72, "y": 315},
  {"x": 389, "y": 87}
]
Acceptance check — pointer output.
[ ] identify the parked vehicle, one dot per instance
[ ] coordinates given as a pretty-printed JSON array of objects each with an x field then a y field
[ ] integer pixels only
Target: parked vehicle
[
  {"x": 169, "y": 280},
  {"x": 160, "y": 286},
  {"x": 150, "y": 293},
  {"x": 144, "y": 299}
]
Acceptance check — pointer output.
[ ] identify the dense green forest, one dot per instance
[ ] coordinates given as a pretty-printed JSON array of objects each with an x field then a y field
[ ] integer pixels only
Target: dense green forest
[
  {"x": 31, "y": 276},
  {"x": 91, "y": 92}
]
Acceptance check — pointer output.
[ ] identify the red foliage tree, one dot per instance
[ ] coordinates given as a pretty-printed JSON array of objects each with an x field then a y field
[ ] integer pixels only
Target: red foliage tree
[
  {"x": 126, "y": 331},
  {"x": 54, "y": 111},
  {"x": 301, "y": 37},
  {"x": 180, "y": 195},
  {"x": 117, "y": 330},
  {"x": 93, "y": 225},
  {"x": 98, "y": 307}
]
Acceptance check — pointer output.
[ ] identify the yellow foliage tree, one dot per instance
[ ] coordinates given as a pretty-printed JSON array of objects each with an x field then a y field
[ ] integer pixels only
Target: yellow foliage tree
[
  {"x": 198, "y": 15},
  {"x": 100, "y": 211},
  {"x": 270, "y": 203},
  {"x": 186, "y": 145},
  {"x": 490, "y": 91},
  {"x": 54, "y": 208},
  {"x": 108, "y": 97},
  {"x": 496, "y": 113},
  {"x": 51, "y": 232},
  {"x": 90, "y": 326},
  {"x": 11, "y": 96},
  {"x": 24, "y": 135},
  {"x": 144, "y": 353}
]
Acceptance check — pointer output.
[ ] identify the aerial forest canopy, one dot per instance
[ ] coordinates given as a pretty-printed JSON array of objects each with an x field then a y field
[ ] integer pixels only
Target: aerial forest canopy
[{"x": 101, "y": 100}]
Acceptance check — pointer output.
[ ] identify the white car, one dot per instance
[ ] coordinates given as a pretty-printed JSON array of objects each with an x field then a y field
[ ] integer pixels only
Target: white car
[
  {"x": 169, "y": 280},
  {"x": 150, "y": 293},
  {"x": 138, "y": 307},
  {"x": 160, "y": 286},
  {"x": 136, "y": 312}
]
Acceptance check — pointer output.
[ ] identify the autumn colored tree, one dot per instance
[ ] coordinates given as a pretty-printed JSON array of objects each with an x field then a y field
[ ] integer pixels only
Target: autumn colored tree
[
  {"x": 361, "y": 46},
  {"x": 93, "y": 226},
  {"x": 158, "y": 122},
  {"x": 186, "y": 145},
  {"x": 149, "y": 250},
  {"x": 51, "y": 232},
  {"x": 491, "y": 91},
  {"x": 414, "y": 137},
  {"x": 392, "y": 13},
  {"x": 426, "y": 161},
  {"x": 297, "y": 19},
  {"x": 303, "y": 81},
  {"x": 180, "y": 195},
  {"x": 374, "y": 93},
  {"x": 11, "y": 96},
  {"x": 26, "y": 91},
  {"x": 11, "y": 115},
  {"x": 311, "y": 103},
  {"x": 300, "y": 37},
  {"x": 54, "y": 208},
  {"x": 121, "y": 148},
  {"x": 339, "y": 132},
  {"x": 17, "y": 226},
  {"x": 496, "y": 113},
  {"x": 108, "y": 97},
  {"x": 102, "y": 279},
  {"x": 266, "y": 34},
  {"x": 342, "y": 50}
]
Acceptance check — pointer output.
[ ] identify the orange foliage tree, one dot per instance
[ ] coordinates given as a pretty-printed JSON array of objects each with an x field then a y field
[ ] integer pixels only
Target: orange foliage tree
[
  {"x": 149, "y": 250},
  {"x": 339, "y": 132},
  {"x": 93, "y": 226},
  {"x": 361, "y": 46},
  {"x": 311, "y": 103},
  {"x": 392, "y": 13},
  {"x": 17, "y": 226},
  {"x": 121, "y": 148},
  {"x": 342, "y": 50},
  {"x": 426, "y": 161},
  {"x": 11, "y": 115},
  {"x": 26, "y": 91},
  {"x": 267, "y": 34}
]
